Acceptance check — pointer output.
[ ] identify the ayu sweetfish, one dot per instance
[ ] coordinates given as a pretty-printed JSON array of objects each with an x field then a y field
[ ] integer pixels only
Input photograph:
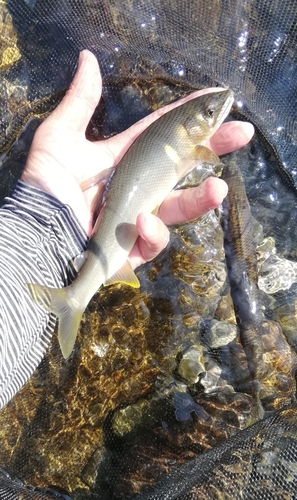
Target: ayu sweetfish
[
  {"x": 270, "y": 360},
  {"x": 165, "y": 152},
  {"x": 241, "y": 260}
]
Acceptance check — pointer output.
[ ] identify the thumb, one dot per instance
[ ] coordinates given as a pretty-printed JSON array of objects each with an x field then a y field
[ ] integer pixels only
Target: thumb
[{"x": 76, "y": 108}]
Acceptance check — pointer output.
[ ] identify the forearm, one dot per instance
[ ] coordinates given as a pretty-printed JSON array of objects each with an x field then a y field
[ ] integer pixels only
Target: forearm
[{"x": 39, "y": 237}]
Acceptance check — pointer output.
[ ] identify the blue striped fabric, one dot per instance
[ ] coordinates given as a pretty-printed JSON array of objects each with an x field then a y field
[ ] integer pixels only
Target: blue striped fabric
[{"x": 39, "y": 237}]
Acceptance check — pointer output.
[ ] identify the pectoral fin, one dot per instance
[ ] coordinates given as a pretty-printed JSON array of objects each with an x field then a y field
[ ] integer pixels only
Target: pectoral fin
[
  {"x": 199, "y": 154},
  {"x": 124, "y": 275},
  {"x": 204, "y": 155}
]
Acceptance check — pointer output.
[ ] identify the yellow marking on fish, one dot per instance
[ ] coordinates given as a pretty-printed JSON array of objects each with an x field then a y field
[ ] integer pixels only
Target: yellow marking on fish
[
  {"x": 172, "y": 154},
  {"x": 124, "y": 275},
  {"x": 183, "y": 134},
  {"x": 156, "y": 210}
]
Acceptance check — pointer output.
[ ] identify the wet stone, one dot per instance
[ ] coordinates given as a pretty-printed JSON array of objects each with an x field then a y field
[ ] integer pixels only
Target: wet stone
[
  {"x": 220, "y": 333},
  {"x": 192, "y": 364}
]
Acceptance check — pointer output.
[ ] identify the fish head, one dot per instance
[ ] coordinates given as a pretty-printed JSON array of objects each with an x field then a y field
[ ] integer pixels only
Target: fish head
[{"x": 209, "y": 112}]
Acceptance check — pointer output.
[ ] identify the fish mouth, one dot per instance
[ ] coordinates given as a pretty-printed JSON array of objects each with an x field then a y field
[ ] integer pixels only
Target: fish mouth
[{"x": 227, "y": 101}]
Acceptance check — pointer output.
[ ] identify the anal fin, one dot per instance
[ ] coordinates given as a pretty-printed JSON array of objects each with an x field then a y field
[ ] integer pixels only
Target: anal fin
[{"x": 124, "y": 275}]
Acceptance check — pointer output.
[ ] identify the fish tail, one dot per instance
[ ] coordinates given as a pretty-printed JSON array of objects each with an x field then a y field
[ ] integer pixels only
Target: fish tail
[{"x": 60, "y": 301}]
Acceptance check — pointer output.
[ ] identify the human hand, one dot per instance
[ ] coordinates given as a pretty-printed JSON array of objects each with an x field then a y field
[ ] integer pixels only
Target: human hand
[{"x": 61, "y": 159}]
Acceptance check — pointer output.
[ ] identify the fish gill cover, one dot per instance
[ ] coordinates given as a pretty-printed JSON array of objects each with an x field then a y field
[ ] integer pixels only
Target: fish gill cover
[{"x": 156, "y": 401}]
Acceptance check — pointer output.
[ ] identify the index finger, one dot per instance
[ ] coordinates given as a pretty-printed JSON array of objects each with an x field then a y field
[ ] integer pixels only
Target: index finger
[{"x": 184, "y": 205}]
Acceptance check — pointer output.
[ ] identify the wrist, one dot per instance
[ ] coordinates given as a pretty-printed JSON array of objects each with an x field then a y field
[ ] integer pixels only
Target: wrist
[{"x": 57, "y": 182}]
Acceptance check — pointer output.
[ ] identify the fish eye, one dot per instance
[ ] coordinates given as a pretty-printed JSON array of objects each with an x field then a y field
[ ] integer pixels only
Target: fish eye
[{"x": 210, "y": 112}]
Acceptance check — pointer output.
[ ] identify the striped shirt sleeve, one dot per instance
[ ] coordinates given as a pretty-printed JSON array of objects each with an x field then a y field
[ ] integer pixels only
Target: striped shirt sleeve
[{"x": 39, "y": 237}]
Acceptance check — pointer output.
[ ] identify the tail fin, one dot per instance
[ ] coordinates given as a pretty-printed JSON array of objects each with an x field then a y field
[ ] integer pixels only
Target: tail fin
[{"x": 62, "y": 304}]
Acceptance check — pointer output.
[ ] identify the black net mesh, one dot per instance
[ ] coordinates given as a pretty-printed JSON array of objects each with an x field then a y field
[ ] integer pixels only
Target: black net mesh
[{"x": 130, "y": 424}]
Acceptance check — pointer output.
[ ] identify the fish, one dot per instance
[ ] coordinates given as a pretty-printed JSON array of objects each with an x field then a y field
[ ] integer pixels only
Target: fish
[
  {"x": 271, "y": 361},
  {"x": 164, "y": 153},
  {"x": 242, "y": 270}
]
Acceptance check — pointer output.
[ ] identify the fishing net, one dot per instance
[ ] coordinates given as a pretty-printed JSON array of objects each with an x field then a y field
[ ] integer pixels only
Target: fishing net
[{"x": 160, "y": 407}]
